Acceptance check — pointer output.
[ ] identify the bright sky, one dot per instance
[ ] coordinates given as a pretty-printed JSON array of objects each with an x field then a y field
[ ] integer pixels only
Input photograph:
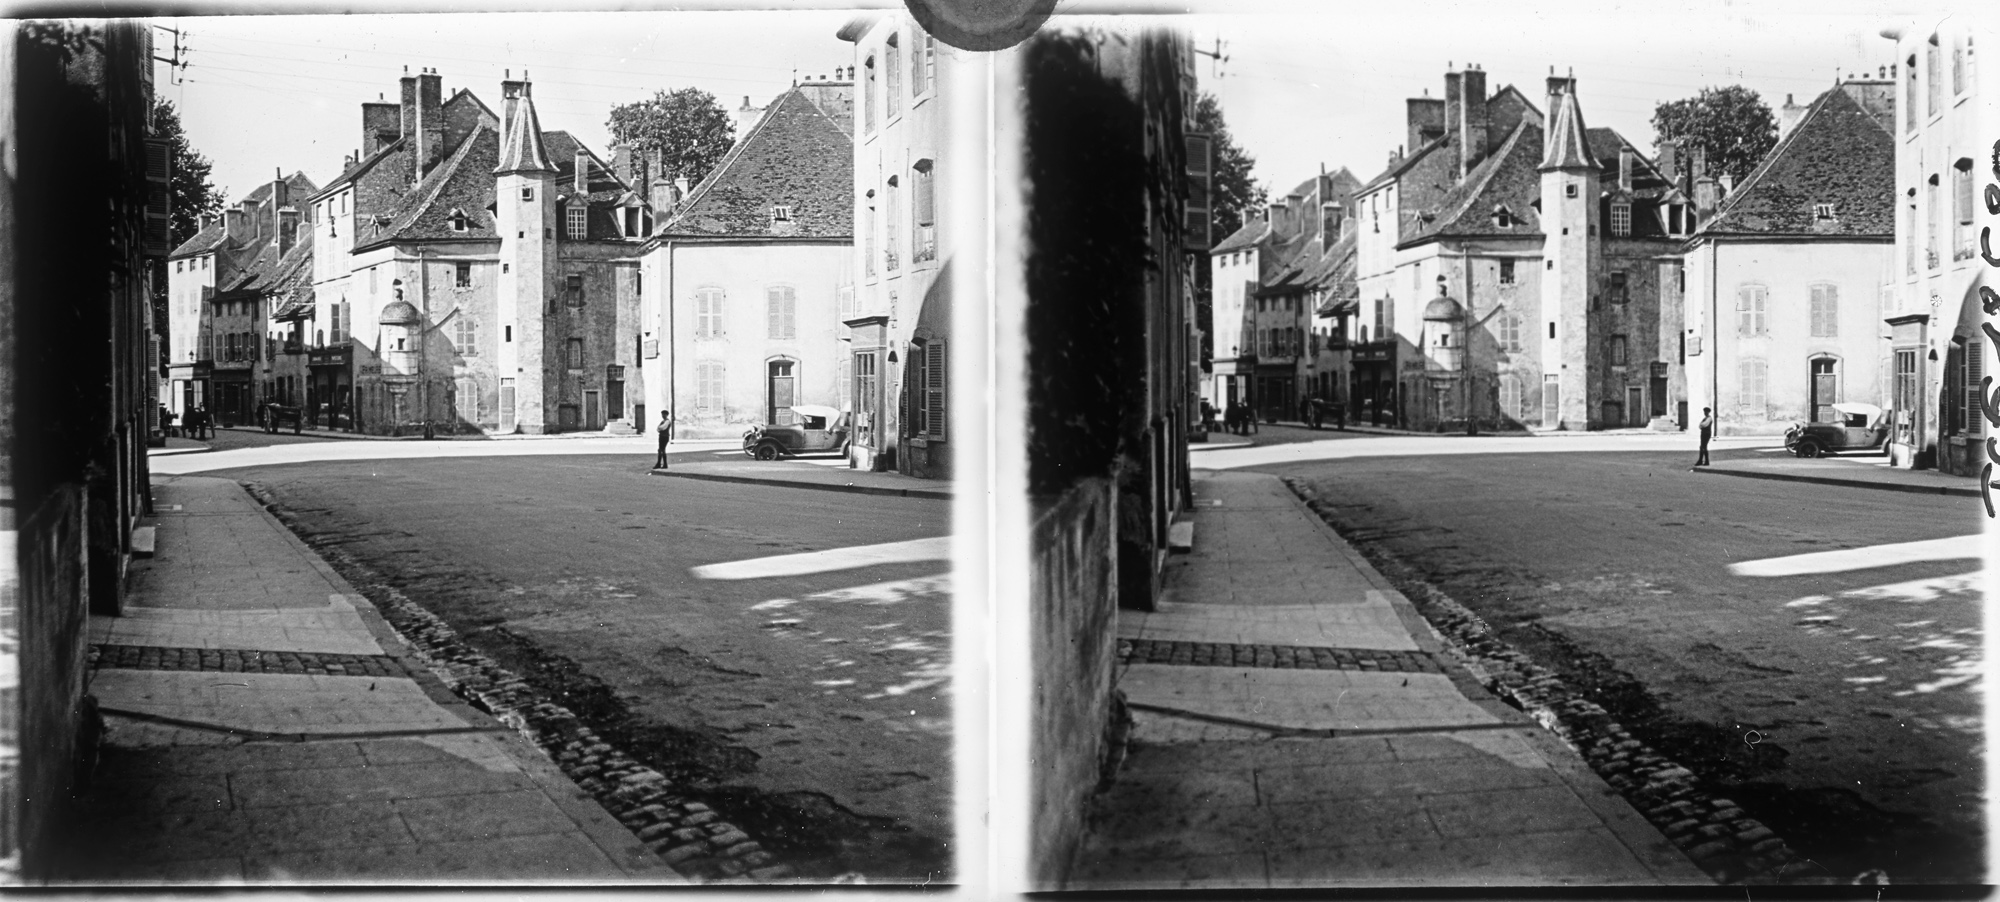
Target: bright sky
[
  {"x": 263, "y": 93},
  {"x": 1299, "y": 90},
  {"x": 1301, "y": 86}
]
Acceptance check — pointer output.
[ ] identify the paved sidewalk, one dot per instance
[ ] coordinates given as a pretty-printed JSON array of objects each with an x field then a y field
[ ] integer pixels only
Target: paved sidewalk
[
  {"x": 1296, "y": 724},
  {"x": 1863, "y": 472},
  {"x": 830, "y": 474},
  {"x": 265, "y": 725}
]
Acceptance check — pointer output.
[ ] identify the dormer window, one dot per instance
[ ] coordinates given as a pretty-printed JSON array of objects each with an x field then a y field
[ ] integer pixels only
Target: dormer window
[
  {"x": 1621, "y": 220},
  {"x": 459, "y": 223},
  {"x": 1503, "y": 218},
  {"x": 781, "y": 213},
  {"x": 632, "y": 223},
  {"x": 1822, "y": 211},
  {"x": 577, "y": 222}
]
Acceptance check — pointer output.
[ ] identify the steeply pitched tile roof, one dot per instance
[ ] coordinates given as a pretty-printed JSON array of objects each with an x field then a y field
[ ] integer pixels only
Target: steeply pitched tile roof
[
  {"x": 794, "y": 156},
  {"x": 521, "y": 149},
  {"x": 1838, "y": 154},
  {"x": 1248, "y": 234},
  {"x": 1568, "y": 142},
  {"x": 1399, "y": 167},
  {"x": 291, "y": 284},
  {"x": 203, "y": 241},
  {"x": 464, "y": 182},
  {"x": 1509, "y": 177}
]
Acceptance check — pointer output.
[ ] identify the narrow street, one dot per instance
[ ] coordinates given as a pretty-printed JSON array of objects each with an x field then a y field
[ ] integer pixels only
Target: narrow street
[
  {"x": 732, "y": 636},
  {"x": 1779, "y": 639}
]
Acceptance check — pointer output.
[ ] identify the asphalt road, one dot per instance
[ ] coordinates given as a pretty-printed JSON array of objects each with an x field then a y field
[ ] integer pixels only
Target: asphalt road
[
  {"x": 1835, "y": 698},
  {"x": 805, "y": 696}
]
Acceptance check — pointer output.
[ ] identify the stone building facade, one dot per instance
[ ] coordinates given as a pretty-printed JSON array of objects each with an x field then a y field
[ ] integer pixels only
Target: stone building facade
[
  {"x": 218, "y": 303},
  {"x": 898, "y": 326},
  {"x": 1786, "y": 275},
  {"x": 1948, "y": 108},
  {"x": 748, "y": 279},
  {"x": 1558, "y": 243},
  {"x": 475, "y": 273}
]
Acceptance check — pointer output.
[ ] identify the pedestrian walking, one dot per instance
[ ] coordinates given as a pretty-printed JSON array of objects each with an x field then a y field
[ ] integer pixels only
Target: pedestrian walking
[
  {"x": 1305, "y": 411},
  {"x": 166, "y": 421},
  {"x": 1707, "y": 430},
  {"x": 1207, "y": 416},
  {"x": 666, "y": 424}
]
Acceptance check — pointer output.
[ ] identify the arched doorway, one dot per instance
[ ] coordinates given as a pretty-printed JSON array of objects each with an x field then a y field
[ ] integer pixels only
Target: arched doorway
[
  {"x": 1823, "y": 388},
  {"x": 781, "y": 390}
]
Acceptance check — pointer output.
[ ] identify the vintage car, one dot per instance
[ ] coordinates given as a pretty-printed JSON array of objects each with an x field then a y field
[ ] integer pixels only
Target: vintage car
[
  {"x": 274, "y": 415},
  {"x": 1862, "y": 427},
  {"x": 814, "y": 429}
]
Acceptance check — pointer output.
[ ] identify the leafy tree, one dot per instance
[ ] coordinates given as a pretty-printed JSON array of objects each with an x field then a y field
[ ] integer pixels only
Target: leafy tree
[
  {"x": 1236, "y": 195},
  {"x": 194, "y": 195},
  {"x": 687, "y": 126},
  {"x": 1732, "y": 125}
]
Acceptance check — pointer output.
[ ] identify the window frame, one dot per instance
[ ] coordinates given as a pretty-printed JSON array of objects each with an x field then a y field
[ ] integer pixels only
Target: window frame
[
  {"x": 1823, "y": 310},
  {"x": 781, "y": 306},
  {"x": 461, "y": 274},
  {"x": 710, "y": 301},
  {"x": 1746, "y": 399},
  {"x": 1752, "y": 319},
  {"x": 1621, "y": 220}
]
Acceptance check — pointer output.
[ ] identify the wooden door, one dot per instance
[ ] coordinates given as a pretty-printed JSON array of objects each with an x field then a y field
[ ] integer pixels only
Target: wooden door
[
  {"x": 592, "y": 415},
  {"x": 507, "y": 421},
  {"x": 1551, "y": 402},
  {"x": 1635, "y": 406},
  {"x": 781, "y": 393},
  {"x": 1825, "y": 382}
]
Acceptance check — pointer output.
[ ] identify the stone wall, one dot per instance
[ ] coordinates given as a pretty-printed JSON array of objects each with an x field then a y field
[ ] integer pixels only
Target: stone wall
[{"x": 1074, "y": 607}]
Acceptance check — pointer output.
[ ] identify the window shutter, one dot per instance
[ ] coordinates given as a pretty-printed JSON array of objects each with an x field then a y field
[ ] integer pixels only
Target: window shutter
[
  {"x": 1975, "y": 419},
  {"x": 159, "y": 195},
  {"x": 935, "y": 373}
]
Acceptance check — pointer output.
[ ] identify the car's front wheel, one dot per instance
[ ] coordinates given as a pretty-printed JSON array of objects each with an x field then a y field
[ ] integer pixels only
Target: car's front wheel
[
  {"x": 1807, "y": 448},
  {"x": 767, "y": 452}
]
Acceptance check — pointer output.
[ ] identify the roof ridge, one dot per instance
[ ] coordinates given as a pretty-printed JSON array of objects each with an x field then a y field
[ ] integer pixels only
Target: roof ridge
[
  {"x": 701, "y": 191},
  {"x": 1480, "y": 177},
  {"x": 1757, "y": 176},
  {"x": 416, "y": 203}
]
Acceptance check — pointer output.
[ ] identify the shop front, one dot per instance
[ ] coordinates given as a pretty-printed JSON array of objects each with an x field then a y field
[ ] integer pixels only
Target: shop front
[
  {"x": 330, "y": 388},
  {"x": 1373, "y": 401}
]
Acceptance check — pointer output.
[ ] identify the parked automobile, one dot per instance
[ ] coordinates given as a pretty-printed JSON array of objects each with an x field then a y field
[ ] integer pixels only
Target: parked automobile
[
  {"x": 1862, "y": 427},
  {"x": 815, "y": 429},
  {"x": 274, "y": 415}
]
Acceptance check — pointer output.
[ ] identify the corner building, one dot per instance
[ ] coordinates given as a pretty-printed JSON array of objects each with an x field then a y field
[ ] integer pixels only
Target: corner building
[{"x": 475, "y": 273}]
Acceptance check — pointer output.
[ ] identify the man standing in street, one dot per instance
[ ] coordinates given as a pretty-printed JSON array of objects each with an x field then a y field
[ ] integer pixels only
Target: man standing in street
[
  {"x": 666, "y": 424},
  {"x": 1707, "y": 429}
]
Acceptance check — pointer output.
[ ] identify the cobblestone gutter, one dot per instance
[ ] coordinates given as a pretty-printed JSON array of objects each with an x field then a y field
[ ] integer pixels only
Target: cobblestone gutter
[
  {"x": 689, "y": 836},
  {"x": 1714, "y": 833}
]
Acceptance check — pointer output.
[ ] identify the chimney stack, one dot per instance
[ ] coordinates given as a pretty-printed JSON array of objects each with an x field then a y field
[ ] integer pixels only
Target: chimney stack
[
  {"x": 406, "y": 111},
  {"x": 1454, "y": 96},
  {"x": 232, "y": 224},
  {"x": 1424, "y": 120},
  {"x": 582, "y": 172},
  {"x": 1472, "y": 119},
  {"x": 1331, "y": 217},
  {"x": 288, "y": 230},
  {"x": 1625, "y": 156},
  {"x": 1706, "y": 195},
  {"x": 430, "y": 121}
]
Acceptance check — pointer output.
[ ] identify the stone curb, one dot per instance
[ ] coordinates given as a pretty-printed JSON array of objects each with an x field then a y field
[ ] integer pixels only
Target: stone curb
[
  {"x": 691, "y": 838},
  {"x": 1959, "y": 491},
  {"x": 1713, "y": 832},
  {"x": 802, "y": 484}
]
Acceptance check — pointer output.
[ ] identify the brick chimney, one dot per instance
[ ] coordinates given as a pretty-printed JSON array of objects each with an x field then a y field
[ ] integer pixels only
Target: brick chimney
[
  {"x": 406, "y": 111},
  {"x": 1471, "y": 119},
  {"x": 1625, "y": 156},
  {"x": 381, "y": 124},
  {"x": 232, "y": 224},
  {"x": 1425, "y": 120},
  {"x": 288, "y": 229},
  {"x": 1275, "y": 214},
  {"x": 582, "y": 172},
  {"x": 1331, "y": 219},
  {"x": 1670, "y": 162},
  {"x": 1706, "y": 196},
  {"x": 430, "y": 120}
]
